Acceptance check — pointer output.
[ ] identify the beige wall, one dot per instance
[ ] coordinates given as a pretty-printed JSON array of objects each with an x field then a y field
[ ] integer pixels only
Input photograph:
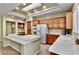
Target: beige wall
[
  {"x": 1, "y": 28},
  {"x": 50, "y": 16},
  {"x": 12, "y": 20}
]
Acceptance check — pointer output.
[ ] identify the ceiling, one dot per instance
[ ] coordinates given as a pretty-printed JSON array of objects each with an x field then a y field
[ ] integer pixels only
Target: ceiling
[{"x": 22, "y": 10}]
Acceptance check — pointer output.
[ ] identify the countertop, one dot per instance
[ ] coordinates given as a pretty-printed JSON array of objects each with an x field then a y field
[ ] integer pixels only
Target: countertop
[
  {"x": 65, "y": 45},
  {"x": 54, "y": 34},
  {"x": 24, "y": 39}
]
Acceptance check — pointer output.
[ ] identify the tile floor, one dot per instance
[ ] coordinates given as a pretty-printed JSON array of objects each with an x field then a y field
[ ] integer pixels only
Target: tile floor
[{"x": 10, "y": 51}]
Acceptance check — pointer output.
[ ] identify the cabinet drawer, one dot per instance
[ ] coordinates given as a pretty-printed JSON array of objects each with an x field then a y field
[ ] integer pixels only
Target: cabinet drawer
[{"x": 51, "y": 36}]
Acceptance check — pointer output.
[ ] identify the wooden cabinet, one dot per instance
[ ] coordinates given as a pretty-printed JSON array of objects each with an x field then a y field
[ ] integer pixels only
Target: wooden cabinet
[
  {"x": 56, "y": 23},
  {"x": 49, "y": 22},
  {"x": 29, "y": 27},
  {"x": 53, "y": 23},
  {"x": 62, "y": 23},
  {"x": 69, "y": 20},
  {"x": 51, "y": 38},
  {"x": 43, "y": 21},
  {"x": 35, "y": 22}
]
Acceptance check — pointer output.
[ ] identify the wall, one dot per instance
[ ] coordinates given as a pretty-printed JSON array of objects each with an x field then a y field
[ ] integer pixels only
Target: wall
[
  {"x": 12, "y": 20},
  {"x": 1, "y": 29},
  {"x": 49, "y": 16}
]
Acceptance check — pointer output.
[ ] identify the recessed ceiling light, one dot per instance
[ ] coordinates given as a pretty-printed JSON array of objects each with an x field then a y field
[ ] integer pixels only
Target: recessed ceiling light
[
  {"x": 24, "y": 4},
  {"x": 35, "y": 10},
  {"x": 44, "y": 7},
  {"x": 17, "y": 8}
]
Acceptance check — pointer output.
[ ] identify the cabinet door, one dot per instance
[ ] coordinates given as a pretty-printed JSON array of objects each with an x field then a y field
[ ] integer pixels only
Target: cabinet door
[
  {"x": 35, "y": 22},
  {"x": 43, "y": 21},
  {"x": 50, "y": 23},
  {"x": 51, "y": 38},
  {"x": 55, "y": 22},
  {"x": 69, "y": 20},
  {"x": 62, "y": 23},
  {"x": 29, "y": 27}
]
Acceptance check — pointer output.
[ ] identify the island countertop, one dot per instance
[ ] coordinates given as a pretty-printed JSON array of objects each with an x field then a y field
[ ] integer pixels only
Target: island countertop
[
  {"x": 24, "y": 39},
  {"x": 65, "y": 45}
]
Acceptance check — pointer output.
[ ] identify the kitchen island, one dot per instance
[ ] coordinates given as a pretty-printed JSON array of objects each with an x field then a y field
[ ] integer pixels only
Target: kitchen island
[
  {"x": 25, "y": 44},
  {"x": 65, "y": 45}
]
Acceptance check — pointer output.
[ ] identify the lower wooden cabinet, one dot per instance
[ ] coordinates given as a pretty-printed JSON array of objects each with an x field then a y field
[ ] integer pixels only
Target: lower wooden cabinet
[{"x": 50, "y": 39}]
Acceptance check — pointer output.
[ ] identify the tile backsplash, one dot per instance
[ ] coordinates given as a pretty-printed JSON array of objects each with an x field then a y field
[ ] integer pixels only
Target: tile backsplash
[
  {"x": 76, "y": 35},
  {"x": 56, "y": 31}
]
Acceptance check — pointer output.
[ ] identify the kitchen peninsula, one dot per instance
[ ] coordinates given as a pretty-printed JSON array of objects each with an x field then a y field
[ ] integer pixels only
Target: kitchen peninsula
[{"x": 65, "y": 45}]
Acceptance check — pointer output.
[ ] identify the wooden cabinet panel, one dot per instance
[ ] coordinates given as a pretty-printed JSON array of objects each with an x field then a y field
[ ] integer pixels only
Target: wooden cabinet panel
[
  {"x": 43, "y": 21},
  {"x": 51, "y": 38},
  {"x": 56, "y": 23},
  {"x": 49, "y": 22},
  {"x": 69, "y": 20},
  {"x": 35, "y": 22},
  {"x": 53, "y": 23},
  {"x": 61, "y": 23},
  {"x": 29, "y": 27}
]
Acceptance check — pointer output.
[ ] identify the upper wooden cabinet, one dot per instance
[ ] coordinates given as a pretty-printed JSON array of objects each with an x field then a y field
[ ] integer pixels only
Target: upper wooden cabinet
[
  {"x": 35, "y": 22},
  {"x": 43, "y": 21},
  {"x": 49, "y": 22},
  {"x": 56, "y": 23},
  {"x": 53, "y": 23},
  {"x": 69, "y": 20},
  {"x": 62, "y": 23}
]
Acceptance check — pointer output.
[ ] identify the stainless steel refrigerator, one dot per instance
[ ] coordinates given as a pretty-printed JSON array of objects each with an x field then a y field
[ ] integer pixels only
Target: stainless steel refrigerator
[{"x": 42, "y": 30}]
